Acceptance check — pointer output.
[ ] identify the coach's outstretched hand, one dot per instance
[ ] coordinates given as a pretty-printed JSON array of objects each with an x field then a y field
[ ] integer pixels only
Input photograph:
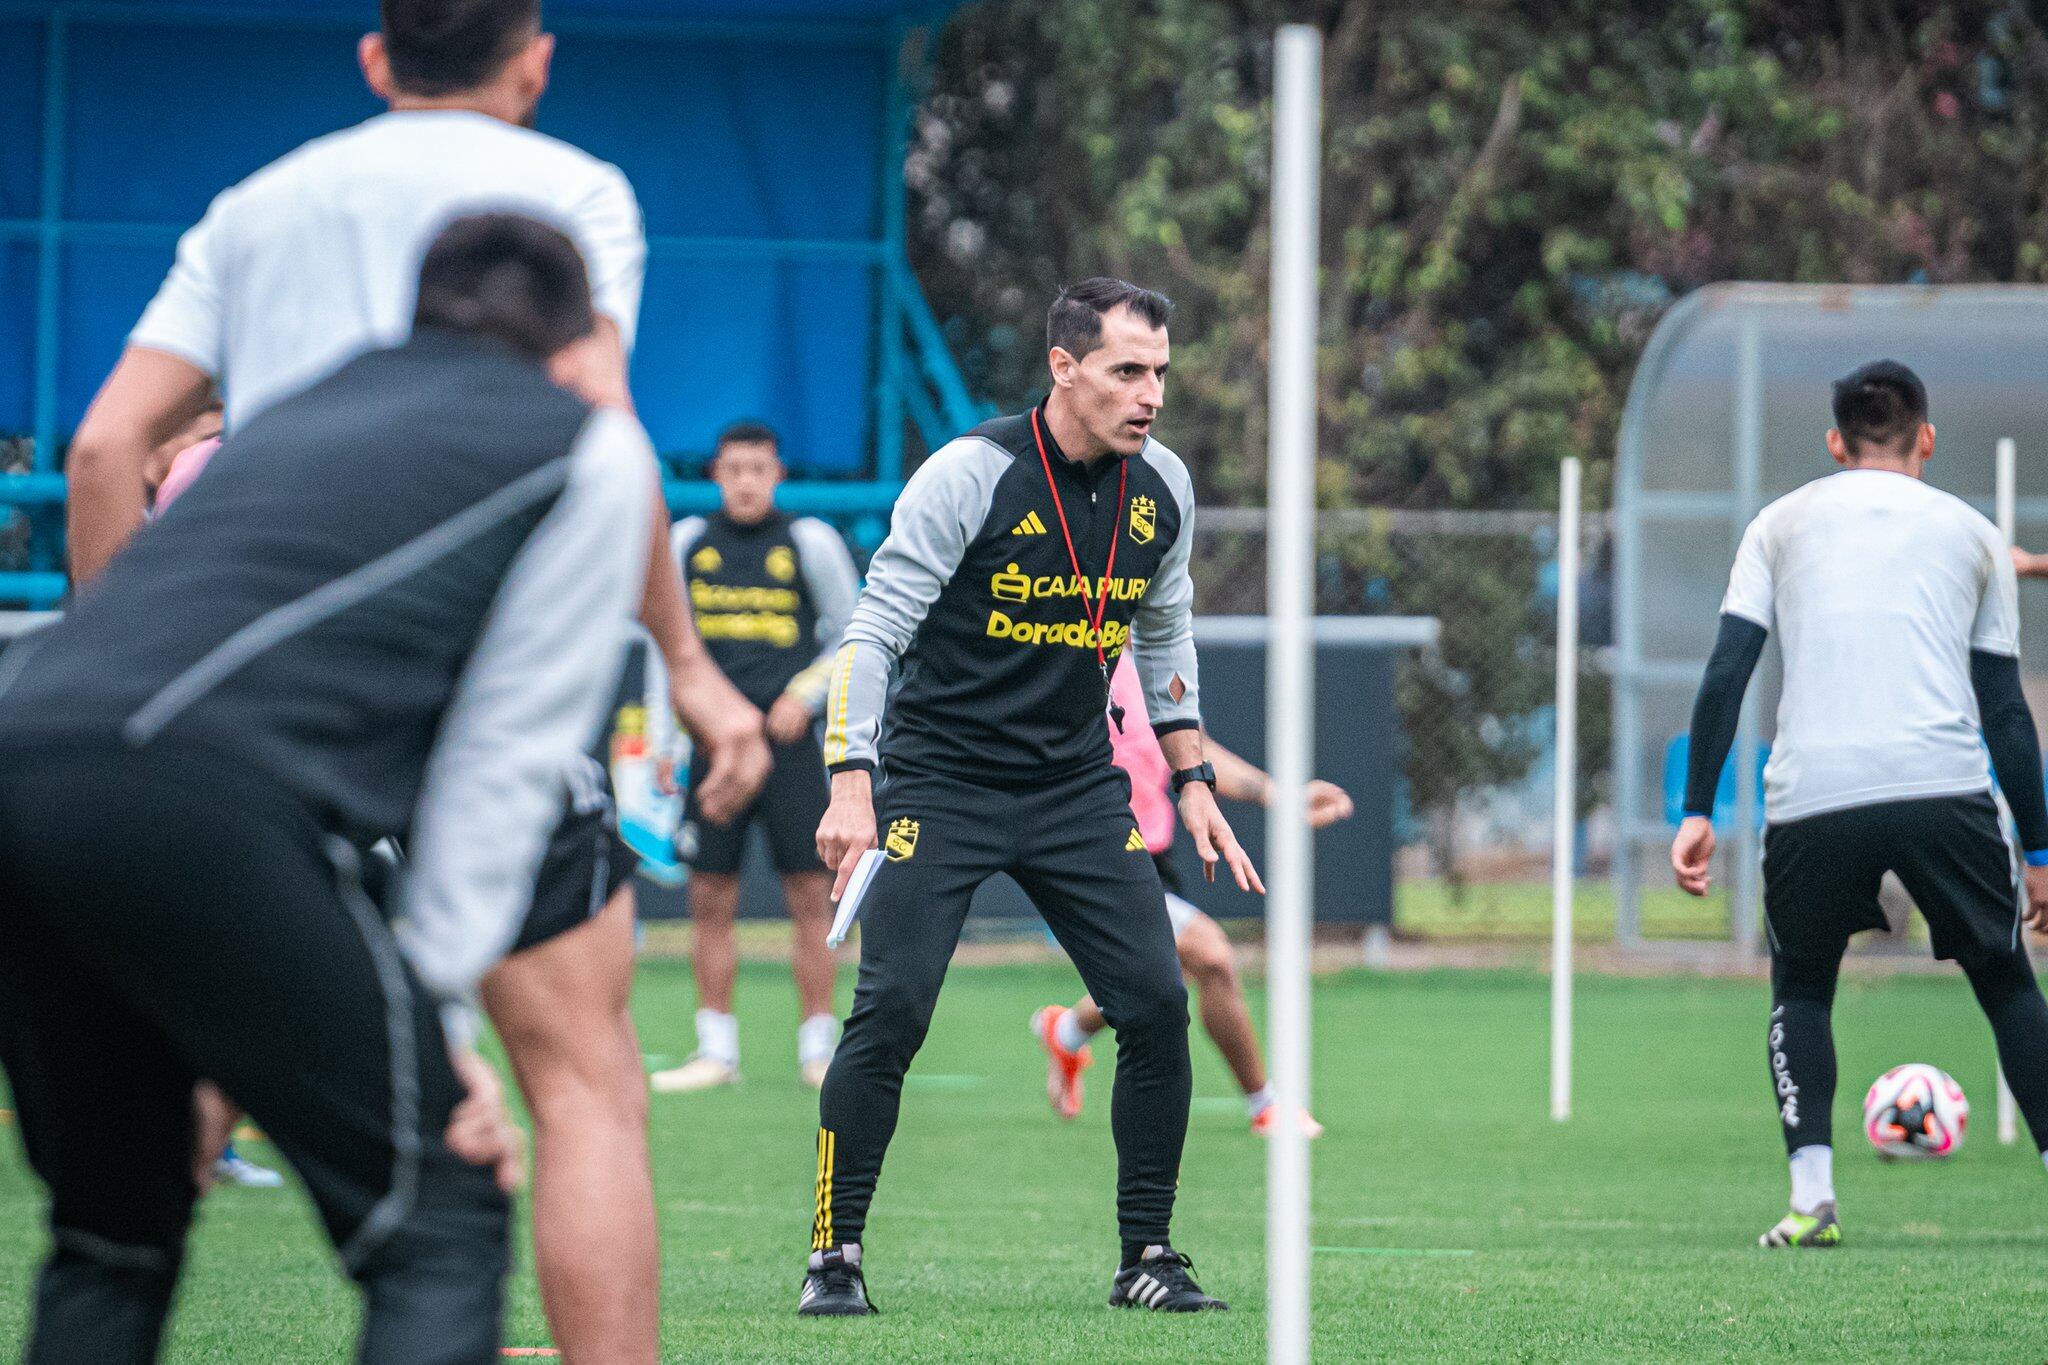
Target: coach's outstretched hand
[
  {"x": 480, "y": 1131},
  {"x": 2037, "y": 899},
  {"x": 1692, "y": 854},
  {"x": 1213, "y": 837},
  {"x": 848, "y": 829}
]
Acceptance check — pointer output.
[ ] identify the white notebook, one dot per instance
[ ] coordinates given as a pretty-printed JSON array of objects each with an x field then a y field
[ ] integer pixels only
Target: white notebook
[{"x": 849, "y": 903}]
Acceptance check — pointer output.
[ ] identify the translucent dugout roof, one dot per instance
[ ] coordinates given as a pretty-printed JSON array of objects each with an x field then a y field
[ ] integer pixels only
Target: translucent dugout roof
[{"x": 1728, "y": 410}]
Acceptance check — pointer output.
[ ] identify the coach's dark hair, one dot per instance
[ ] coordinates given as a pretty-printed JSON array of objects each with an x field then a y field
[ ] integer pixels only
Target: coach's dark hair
[
  {"x": 1074, "y": 322},
  {"x": 747, "y": 433},
  {"x": 1880, "y": 404},
  {"x": 442, "y": 47},
  {"x": 511, "y": 278}
]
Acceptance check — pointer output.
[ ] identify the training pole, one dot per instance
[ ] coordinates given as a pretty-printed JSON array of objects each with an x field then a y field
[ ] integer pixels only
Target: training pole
[
  {"x": 1290, "y": 664},
  {"x": 1565, "y": 795},
  {"x": 2006, "y": 482}
]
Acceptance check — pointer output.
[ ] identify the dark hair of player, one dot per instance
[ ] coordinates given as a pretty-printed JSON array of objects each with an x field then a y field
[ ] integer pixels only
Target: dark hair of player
[
  {"x": 443, "y": 47},
  {"x": 1074, "y": 322},
  {"x": 1881, "y": 404},
  {"x": 748, "y": 433},
  {"x": 510, "y": 278}
]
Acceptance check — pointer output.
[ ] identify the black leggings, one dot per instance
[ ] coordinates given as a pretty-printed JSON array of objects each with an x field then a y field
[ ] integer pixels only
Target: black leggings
[
  {"x": 163, "y": 918},
  {"x": 1802, "y": 1041}
]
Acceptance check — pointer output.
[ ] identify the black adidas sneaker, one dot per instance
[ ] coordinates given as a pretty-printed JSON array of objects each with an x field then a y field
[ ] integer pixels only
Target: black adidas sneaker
[
  {"x": 834, "y": 1287},
  {"x": 1161, "y": 1282}
]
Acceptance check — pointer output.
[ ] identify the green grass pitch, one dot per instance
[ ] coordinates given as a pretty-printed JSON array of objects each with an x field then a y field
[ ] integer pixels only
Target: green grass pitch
[{"x": 1456, "y": 1221}]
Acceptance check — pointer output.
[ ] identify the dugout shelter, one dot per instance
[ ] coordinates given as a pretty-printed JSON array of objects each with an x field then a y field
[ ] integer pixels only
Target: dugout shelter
[{"x": 765, "y": 139}]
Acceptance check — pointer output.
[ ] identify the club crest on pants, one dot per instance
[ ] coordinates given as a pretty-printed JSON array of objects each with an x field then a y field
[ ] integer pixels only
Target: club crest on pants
[{"x": 902, "y": 840}]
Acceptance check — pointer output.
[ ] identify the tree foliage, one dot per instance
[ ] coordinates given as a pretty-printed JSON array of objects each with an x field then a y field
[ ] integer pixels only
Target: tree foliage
[{"x": 1513, "y": 194}]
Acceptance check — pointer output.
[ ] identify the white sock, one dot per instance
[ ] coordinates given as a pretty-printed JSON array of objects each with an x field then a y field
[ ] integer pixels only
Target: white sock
[
  {"x": 1259, "y": 1101},
  {"x": 2044, "y": 1158},
  {"x": 815, "y": 1038},
  {"x": 1813, "y": 1178},
  {"x": 1069, "y": 1032},
  {"x": 718, "y": 1035}
]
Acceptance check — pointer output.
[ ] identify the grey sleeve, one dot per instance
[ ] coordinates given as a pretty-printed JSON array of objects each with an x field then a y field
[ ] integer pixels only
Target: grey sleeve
[
  {"x": 1163, "y": 627},
  {"x": 834, "y": 584},
  {"x": 939, "y": 512},
  {"x": 529, "y": 698}
]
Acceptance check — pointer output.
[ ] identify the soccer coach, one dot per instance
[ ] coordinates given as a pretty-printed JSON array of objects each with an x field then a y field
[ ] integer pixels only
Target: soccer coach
[
  {"x": 1021, "y": 560},
  {"x": 395, "y": 604}
]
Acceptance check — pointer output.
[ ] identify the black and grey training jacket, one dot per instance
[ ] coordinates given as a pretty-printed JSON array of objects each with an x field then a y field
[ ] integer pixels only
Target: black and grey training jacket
[
  {"x": 401, "y": 595},
  {"x": 975, "y": 594}
]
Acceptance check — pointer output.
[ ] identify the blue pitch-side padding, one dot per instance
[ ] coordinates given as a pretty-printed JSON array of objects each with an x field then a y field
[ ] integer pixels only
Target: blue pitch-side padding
[
  {"x": 1677, "y": 754},
  {"x": 760, "y": 163}
]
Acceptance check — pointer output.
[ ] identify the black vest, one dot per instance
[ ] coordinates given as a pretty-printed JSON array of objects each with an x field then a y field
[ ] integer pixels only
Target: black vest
[{"x": 394, "y": 445}]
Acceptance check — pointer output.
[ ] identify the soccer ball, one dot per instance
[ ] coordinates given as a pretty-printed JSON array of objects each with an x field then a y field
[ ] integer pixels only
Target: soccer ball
[{"x": 1915, "y": 1112}]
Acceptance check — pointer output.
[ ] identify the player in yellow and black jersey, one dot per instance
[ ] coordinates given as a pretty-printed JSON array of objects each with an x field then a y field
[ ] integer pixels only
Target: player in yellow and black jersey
[{"x": 771, "y": 594}]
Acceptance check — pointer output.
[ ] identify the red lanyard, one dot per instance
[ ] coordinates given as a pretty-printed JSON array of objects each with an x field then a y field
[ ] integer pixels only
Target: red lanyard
[{"x": 1100, "y": 612}]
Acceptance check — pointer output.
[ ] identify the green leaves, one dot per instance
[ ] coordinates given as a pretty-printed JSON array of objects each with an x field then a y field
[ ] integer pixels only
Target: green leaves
[{"x": 1512, "y": 194}]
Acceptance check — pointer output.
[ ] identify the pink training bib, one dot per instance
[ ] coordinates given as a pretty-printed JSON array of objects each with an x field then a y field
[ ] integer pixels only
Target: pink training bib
[
  {"x": 185, "y": 467},
  {"x": 1136, "y": 750}
]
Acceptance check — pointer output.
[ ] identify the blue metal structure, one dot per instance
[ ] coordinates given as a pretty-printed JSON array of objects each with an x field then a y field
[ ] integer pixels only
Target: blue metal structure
[{"x": 765, "y": 138}]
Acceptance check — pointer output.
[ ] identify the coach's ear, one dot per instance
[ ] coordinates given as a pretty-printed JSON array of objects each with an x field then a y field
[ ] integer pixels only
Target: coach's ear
[
  {"x": 1837, "y": 447},
  {"x": 1923, "y": 446},
  {"x": 376, "y": 64}
]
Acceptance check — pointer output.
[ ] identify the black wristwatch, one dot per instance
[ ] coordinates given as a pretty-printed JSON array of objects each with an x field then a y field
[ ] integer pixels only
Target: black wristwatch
[{"x": 1201, "y": 772}]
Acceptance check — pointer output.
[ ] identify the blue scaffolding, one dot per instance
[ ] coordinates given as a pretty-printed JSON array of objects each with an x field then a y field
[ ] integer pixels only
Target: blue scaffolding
[{"x": 766, "y": 139}]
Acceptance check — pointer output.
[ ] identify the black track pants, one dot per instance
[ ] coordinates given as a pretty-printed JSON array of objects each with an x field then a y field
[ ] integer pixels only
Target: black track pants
[
  {"x": 161, "y": 919},
  {"x": 1074, "y": 850}
]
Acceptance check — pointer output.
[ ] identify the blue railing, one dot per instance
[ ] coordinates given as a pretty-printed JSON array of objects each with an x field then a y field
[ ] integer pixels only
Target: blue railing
[
  {"x": 930, "y": 391},
  {"x": 919, "y": 398}
]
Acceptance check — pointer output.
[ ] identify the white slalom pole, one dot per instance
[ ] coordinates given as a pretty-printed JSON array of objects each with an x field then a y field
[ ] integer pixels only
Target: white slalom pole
[
  {"x": 1565, "y": 795},
  {"x": 1290, "y": 671},
  {"x": 2006, "y": 485}
]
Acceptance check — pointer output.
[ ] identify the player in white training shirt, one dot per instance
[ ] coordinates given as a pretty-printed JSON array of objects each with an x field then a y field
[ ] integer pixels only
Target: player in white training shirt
[
  {"x": 1895, "y": 607},
  {"x": 296, "y": 270}
]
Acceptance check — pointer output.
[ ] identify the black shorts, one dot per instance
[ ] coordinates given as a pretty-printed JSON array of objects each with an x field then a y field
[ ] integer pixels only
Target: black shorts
[
  {"x": 586, "y": 864},
  {"x": 1821, "y": 876},
  {"x": 790, "y": 805},
  {"x": 1169, "y": 874}
]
